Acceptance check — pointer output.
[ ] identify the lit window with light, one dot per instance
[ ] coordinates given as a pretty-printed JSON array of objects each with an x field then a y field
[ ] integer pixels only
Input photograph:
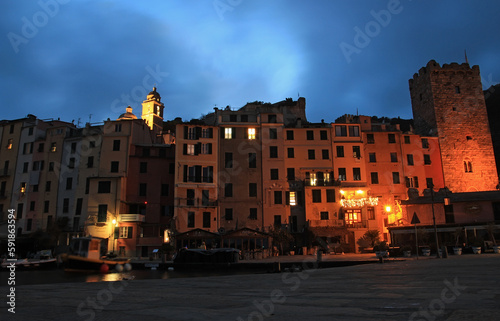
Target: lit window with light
[
  {"x": 228, "y": 133},
  {"x": 251, "y": 133},
  {"x": 293, "y": 198},
  {"x": 313, "y": 179}
]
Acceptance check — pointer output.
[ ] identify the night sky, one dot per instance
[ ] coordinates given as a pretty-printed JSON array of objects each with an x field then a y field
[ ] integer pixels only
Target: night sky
[{"x": 75, "y": 58}]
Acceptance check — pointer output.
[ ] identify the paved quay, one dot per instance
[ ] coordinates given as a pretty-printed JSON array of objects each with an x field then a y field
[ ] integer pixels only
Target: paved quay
[{"x": 463, "y": 287}]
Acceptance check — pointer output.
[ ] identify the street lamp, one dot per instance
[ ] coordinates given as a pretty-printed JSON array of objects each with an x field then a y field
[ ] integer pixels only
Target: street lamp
[{"x": 114, "y": 233}]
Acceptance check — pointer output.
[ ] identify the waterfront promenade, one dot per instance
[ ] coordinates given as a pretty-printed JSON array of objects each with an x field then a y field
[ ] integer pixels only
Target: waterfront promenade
[{"x": 463, "y": 287}]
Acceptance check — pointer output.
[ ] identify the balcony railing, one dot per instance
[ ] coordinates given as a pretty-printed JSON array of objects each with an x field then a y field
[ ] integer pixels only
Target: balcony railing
[
  {"x": 5, "y": 172},
  {"x": 321, "y": 182},
  {"x": 195, "y": 202},
  {"x": 131, "y": 218}
]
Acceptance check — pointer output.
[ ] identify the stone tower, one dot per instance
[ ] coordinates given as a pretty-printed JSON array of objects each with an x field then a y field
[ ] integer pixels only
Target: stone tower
[
  {"x": 152, "y": 111},
  {"x": 448, "y": 102}
]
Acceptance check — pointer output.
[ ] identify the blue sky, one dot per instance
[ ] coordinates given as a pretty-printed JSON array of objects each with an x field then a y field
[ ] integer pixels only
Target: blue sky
[{"x": 75, "y": 58}]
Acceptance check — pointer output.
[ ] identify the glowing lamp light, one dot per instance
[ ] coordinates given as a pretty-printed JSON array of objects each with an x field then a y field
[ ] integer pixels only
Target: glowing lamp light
[
  {"x": 113, "y": 221},
  {"x": 359, "y": 191},
  {"x": 342, "y": 192},
  {"x": 387, "y": 208}
]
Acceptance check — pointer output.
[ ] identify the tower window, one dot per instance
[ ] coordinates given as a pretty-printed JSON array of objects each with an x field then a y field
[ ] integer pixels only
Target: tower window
[
  {"x": 468, "y": 166},
  {"x": 469, "y": 137},
  {"x": 457, "y": 89}
]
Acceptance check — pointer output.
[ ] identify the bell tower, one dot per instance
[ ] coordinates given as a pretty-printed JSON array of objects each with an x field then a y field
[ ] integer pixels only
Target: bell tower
[
  {"x": 448, "y": 103},
  {"x": 152, "y": 111}
]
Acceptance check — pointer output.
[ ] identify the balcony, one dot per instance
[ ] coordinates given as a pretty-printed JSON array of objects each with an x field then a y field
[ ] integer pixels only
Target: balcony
[
  {"x": 5, "y": 172},
  {"x": 194, "y": 202},
  {"x": 321, "y": 182},
  {"x": 131, "y": 218}
]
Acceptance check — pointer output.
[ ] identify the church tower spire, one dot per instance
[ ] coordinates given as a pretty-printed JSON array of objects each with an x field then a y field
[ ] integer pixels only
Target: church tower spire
[{"x": 152, "y": 110}]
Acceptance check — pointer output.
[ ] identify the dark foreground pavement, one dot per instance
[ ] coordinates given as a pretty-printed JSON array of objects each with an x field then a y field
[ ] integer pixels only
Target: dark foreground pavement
[{"x": 458, "y": 288}]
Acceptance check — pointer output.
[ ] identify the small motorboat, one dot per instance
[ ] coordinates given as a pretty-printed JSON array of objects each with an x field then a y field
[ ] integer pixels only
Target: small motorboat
[
  {"x": 41, "y": 260},
  {"x": 84, "y": 255}
]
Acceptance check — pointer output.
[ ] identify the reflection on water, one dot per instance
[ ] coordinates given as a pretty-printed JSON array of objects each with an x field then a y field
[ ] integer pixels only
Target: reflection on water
[{"x": 59, "y": 276}]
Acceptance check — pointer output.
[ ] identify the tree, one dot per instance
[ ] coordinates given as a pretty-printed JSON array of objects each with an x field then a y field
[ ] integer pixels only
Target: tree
[{"x": 280, "y": 236}]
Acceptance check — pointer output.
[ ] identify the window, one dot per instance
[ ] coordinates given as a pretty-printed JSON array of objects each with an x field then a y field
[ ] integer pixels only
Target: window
[
  {"x": 342, "y": 174},
  {"x": 407, "y": 139},
  {"x": 409, "y": 158},
  {"x": 340, "y": 130},
  {"x": 47, "y": 186},
  {"x": 143, "y": 167},
  {"x": 35, "y": 188},
  {"x": 102, "y": 213},
  {"x": 228, "y": 190},
  {"x": 125, "y": 232},
  {"x": 457, "y": 89},
  {"x": 468, "y": 166},
  {"x": 28, "y": 148},
  {"x": 23, "y": 187},
  {"x": 291, "y": 152},
  {"x": 251, "y": 133},
  {"x": 146, "y": 151},
  {"x": 356, "y": 151},
  {"x": 29, "y": 223},
  {"x": 394, "y": 157},
  {"x": 289, "y": 134},
  {"x": 191, "y": 133},
  {"x": 208, "y": 174},
  {"x": 271, "y": 118},
  {"x": 252, "y": 160},
  {"x": 118, "y": 128},
  {"x": 277, "y": 220},
  {"x": 325, "y": 154},
  {"x": 228, "y": 160},
  {"x": 356, "y": 173},
  {"x": 392, "y": 138},
  {"x": 395, "y": 178},
  {"x": 273, "y": 151},
  {"x": 228, "y": 214},
  {"x": 425, "y": 143},
  {"x": 190, "y": 197},
  {"x": 46, "y": 207},
  {"x": 372, "y": 157},
  {"x": 253, "y": 213},
  {"x": 340, "y": 151},
  {"x": 228, "y": 133},
  {"x": 90, "y": 162},
  {"x": 323, "y": 135},
  {"x": 311, "y": 177},
  {"x": 273, "y": 133},
  {"x": 116, "y": 145},
  {"x": 32, "y": 205},
  {"x": 233, "y": 118},
  {"x": 26, "y": 167},
  {"x": 40, "y": 147},
  {"x": 310, "y": 135},
  {"x": 316, "y": 196},
  {"x": 244, "y": 118},
  {"x": 290, "y": 174},
  {"x": 65, "y": 208},
  {"x": 69, "y": 183},
  {"x": 104, "y": 187},
  {"x": 429, "y": 183},
  {"x": 53, "y": 147},
  {"x": 92, "y": 144},
  {"x": 190, "y": 149},
  {"x": 71, "y": 162},
  {"x": 190, "y": 219},
  {"x": 411, "y": 182},
  {"x": 352, "y": 216},
  {"x": 9, "y": 143},
  {"x": 324, "y": 216},
  {"x": 79, "y": 205},
  {"x": 427, "y": 159},
  {"x": 449, "y": 216},
  {"x": 73, "y": 148},
  {"x": 115, "y": 166},
  {"x": 274, "y": 174},
  {"x": 30, "y": 131},
  {"x": 278, "y": 197},
  {"x": 374, "y": 177},
  {"x": 164, "y": 189},
  {"x": 370, "y": 139},
  {"x": 353, "y": 131},
  {"x": 206, "y": 219},
  {"x": 11, "y": 130},
  {"x": 371, "y": 212},
  {"x": 330, "y": 196},
  {"x": 252, "y": 189},
  {"x": 310, "y": 154},
  {"x": 143, "y": 188},
  {"x": 207, "y": 133},
  {"x": 292, "y": 198},
  {"x": 206, "y": 148}
]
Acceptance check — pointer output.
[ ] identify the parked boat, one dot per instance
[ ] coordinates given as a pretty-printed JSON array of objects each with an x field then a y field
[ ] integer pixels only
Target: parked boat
[
  {"x": 42, "y": 260},
  {"x": 199, "y": 258},
  {"x": 84, "y": 255}
]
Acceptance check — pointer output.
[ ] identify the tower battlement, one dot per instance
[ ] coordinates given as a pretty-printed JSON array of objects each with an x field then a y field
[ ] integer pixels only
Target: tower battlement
[{"x": 434, "y": 67}]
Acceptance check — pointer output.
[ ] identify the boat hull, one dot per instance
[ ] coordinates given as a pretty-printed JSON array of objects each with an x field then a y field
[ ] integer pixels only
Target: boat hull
[
  {"x": 31, "y": 264},
  {"x": 74, "y": 263}
]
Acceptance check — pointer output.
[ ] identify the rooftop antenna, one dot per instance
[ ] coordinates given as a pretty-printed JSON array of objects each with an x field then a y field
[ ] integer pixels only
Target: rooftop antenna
[
  {"x": 466, "y": 60},
  {"x": 90, "y": 118}
]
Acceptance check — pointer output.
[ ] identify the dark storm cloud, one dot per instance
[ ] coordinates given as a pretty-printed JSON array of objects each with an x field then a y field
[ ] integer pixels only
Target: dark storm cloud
[{"x": 97, "y": 57}]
